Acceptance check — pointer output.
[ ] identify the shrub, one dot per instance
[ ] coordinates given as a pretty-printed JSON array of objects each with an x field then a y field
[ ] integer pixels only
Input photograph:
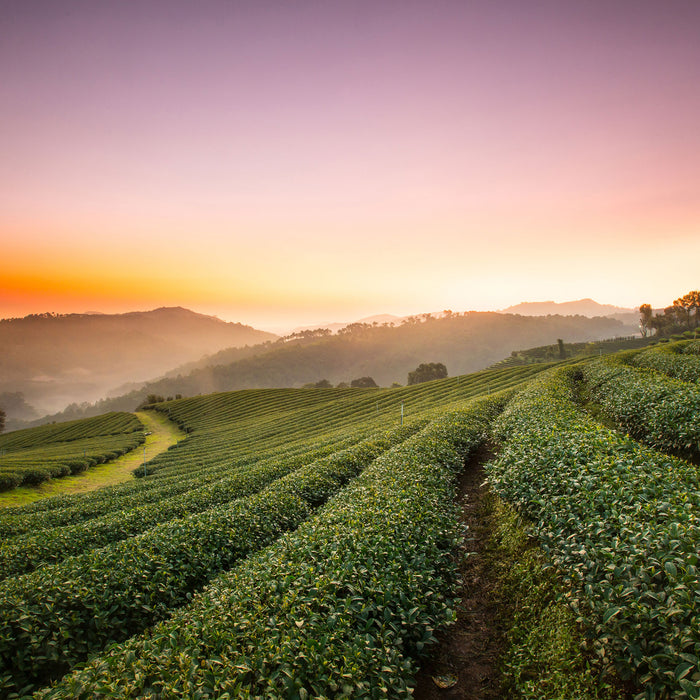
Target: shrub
[
  {"x": 32, "y": 477},
  {"x": 79, "y": 465},
  {"x": 10, "y": 480}
]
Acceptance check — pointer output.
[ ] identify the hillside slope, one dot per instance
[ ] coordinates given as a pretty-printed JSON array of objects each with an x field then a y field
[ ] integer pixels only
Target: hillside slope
[
  {"x": 463, "y": 342},
  {"x": 57, "y": 359}
]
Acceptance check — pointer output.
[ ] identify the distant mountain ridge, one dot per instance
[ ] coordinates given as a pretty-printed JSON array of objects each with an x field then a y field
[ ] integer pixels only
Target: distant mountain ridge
[
  {"x": 581, "y": 307},
  {"x": 464, "y": 342},
  {"x": 336, "y": 326},
  {"x": 57, "y": 359}
]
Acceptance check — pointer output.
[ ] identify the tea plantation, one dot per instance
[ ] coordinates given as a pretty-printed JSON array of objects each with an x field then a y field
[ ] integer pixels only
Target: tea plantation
[
  {"x": 29, "y": 457},
  {"x": 300, "y": 543}
]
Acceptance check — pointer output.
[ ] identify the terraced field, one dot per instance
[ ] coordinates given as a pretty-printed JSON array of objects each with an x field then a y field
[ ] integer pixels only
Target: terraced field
[
  {"x": 30, "y": 457},
  {"x": 86, "y": 571},
  {"x": 302, "y": 543}
]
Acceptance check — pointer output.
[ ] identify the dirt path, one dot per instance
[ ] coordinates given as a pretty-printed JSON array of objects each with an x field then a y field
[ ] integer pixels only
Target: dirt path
[
  {"x": 466, "y": 656},
  {"x": 164, "y": 433}
]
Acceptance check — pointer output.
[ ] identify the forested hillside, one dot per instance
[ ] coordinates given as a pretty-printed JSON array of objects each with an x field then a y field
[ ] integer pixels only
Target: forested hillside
[
  {"x": 53, "y": 360},
  {"x": 463, "y": 342}
]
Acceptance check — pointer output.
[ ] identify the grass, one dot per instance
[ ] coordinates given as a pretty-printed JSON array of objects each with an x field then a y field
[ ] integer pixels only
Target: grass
[
  {"x": 545, "y": 656},
  {"x": 163, "y": 435}
]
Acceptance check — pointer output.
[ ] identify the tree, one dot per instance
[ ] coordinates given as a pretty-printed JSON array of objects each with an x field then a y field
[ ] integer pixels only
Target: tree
[
  {"x": 426, "y": 372},
  {"x": 363, "y": 383},
  {"x": 645, "y": 319},
  {"x": 149, "y": 400},
  {"x": 686, "y": 308},
  {"x": 2, "y": 420},
  {"x": 322, "y": 384}
]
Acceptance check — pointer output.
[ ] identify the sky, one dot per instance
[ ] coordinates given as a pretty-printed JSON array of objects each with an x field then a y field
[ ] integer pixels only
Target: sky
[{"x": 284, "y": 163}]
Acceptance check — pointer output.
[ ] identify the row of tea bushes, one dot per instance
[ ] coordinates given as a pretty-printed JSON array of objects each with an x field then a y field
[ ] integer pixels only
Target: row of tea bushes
[
  {"x": 341, "y": 607},
  {"x": 31, "y": 456},
  {"x": 24, "y": 553},
  {"x": 674, "y": 360},
  {"x": 56, "y": 616},
  {"x": 115, "y": 500},
  {"x": 31, "y": 466},
  {"x": 620, "y": 520},
  {"x": 115, "y": 423},
  {"x": 660, "y": 410}
]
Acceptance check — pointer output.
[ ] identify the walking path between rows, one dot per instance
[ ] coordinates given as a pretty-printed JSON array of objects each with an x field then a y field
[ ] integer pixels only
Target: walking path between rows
[
  {"x": 464, "y": 665},
  {"x": 163, "y": 434}
]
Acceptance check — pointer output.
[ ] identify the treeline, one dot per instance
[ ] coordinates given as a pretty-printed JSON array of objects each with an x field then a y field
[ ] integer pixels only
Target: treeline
[{"x": 681, "y": 316}]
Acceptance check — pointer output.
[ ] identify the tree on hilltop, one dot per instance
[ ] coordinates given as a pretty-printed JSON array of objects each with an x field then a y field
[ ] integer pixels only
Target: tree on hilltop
[
  {"x": 2, "y": 420},
  {"x": 427, "y": 372},
  {"x": 681, "y": 315},
  {"x": 363, "y": 383},
  {"x": 686, "y": 308},
  {"x": 321, "y": 384}
]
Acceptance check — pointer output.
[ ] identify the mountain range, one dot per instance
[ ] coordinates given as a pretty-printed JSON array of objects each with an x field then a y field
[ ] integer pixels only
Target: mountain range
[
  {"x": 56, "y": 359},
  {"x": 582, "y": 307},
  {"x": 49, "y": 361}
]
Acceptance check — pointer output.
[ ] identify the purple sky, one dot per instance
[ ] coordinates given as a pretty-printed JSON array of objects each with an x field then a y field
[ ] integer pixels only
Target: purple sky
[{"x": 269, "y": 161}]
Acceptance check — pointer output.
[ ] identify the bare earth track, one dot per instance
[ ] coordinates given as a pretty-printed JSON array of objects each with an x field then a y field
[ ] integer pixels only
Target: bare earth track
[
  {"x": 163, "y": 434},
  {"x": 466, "y": 656}
]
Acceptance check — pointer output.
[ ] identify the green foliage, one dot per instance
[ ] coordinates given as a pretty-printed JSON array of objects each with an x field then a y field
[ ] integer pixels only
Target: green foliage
[
  {"x": 341, "y": 607},
  {"x": 321, "y": 384},
  {"x": 200, "y": 511},
  {"x": 650, "y": 406},
  {"x": 71, "y": 609},
  {"x": 234, "y": 431},
  {"x": 677, "y": 360},
  {"x": 363, "y": 383},
  {"x": 426, "y": 372},
  {"x": 543, "y": 643},
  {"x": 32, "y": 456},
  {"x": 619, "y": 521}
]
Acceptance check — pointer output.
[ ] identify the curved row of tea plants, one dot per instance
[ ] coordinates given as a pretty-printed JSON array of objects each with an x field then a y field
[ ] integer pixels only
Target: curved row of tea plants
[
  {"x": 57, "y": 615},
  {"x": 342, "y": 607},
  {"x": 246, "y": 426},
  {"x": 246, "y": 418},
  {"x": 24, "y": 553},
  {"x": 201, "y": 458},
  {"x": 103, "y": 511},
  {"x": 115, "y": 423},
  {"x": 660, "y": 410},
  {"x": 671, "y": 359},
  {"x": 621, "y": 521},
  {"x": 34, "y": 455}
]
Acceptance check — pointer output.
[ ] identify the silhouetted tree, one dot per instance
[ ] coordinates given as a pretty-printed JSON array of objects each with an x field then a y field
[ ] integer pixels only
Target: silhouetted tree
[
  {"x": 686, "y": 308},
  {"x": 363, "y": 383},
  {"x": 645, "y": 319},
  {"x": 322, "y": 384},
  {"x": 426, "y": 372},
  {"x": 150, "y": 399},
  {"x": 2, "y": 420}
]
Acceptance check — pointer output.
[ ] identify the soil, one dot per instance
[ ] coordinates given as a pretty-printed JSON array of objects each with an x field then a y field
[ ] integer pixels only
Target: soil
[{"x": 467, "y": 653}]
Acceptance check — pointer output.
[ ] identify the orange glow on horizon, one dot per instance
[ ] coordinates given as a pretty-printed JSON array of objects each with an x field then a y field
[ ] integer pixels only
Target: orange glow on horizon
[{"x": 334, "y": 171}]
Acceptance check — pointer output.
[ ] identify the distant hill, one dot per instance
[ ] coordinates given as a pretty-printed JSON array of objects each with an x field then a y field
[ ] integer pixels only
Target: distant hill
[
  {"x": 463, "y": 342},
  {"x": 335, "y": 327},
  {"x": 54, "y": 360},
  {"x": 582, "y": 307}
]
